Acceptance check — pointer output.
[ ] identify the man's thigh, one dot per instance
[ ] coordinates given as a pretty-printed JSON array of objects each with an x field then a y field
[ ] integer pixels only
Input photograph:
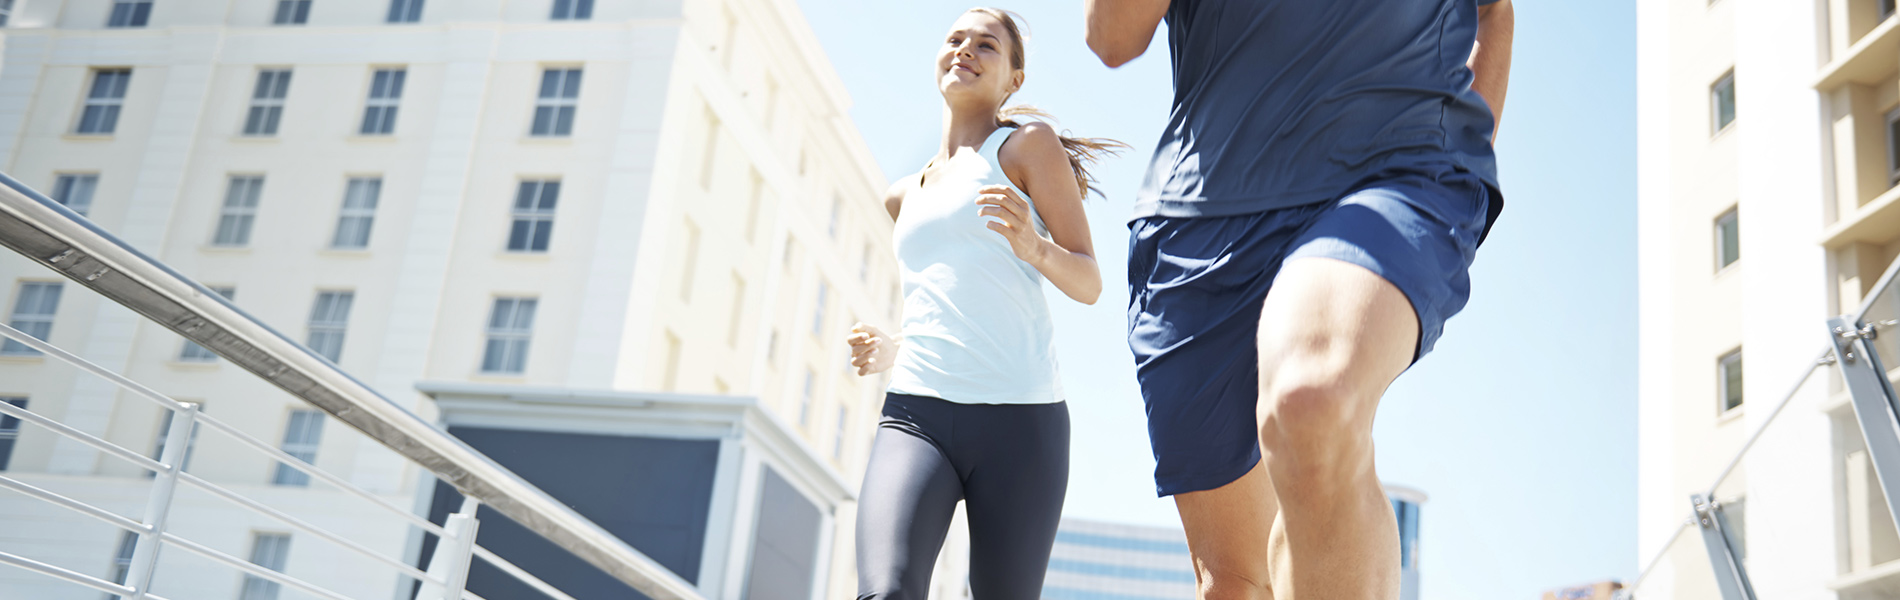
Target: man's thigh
[{"x": 1229, "y": 532}]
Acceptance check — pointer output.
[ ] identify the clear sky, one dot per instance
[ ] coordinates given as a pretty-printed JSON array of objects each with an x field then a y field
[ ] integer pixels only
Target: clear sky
[{"x": 1520, "y": 426}]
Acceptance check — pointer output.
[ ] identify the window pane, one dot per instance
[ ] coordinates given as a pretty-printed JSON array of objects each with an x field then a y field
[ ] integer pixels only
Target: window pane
[
  {"x": 1731, "y": 368},
  {"x": 1728, "y": 239},
  {"x": 518, "y": 234},
  {"x": 542, "y": 231},
  {"x": 1724, "y": 99},
  {"x": 564, "y": 121},
  {"x": 585, "y": 9},
  {"x": 550, "y": 194},
  {"x": 543, "y": 120}
]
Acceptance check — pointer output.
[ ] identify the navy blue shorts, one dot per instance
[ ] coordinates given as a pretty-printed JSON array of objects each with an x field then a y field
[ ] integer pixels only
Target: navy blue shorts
[{"x": 1196, "y": 286}]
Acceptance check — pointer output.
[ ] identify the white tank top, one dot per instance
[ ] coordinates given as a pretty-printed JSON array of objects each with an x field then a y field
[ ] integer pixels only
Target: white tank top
[{"x": 976, "y": 326}]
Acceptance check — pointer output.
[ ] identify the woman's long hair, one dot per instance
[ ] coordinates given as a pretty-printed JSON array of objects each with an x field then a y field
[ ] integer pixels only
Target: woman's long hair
[{"x": 1082, "y": 151}]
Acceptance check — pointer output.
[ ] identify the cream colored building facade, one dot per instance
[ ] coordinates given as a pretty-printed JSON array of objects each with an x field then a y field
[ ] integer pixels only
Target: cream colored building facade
[
  {"x": 1766, "y": 155},
  {"x": 716, "y": 227}
]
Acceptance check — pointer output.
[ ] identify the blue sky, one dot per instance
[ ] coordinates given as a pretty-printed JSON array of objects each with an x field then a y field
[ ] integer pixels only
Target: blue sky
[{"x": 1520, "y": 426}]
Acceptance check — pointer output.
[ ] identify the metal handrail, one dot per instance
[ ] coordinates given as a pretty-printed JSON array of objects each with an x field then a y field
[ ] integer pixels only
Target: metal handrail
[{"x": 52, "y": 235}]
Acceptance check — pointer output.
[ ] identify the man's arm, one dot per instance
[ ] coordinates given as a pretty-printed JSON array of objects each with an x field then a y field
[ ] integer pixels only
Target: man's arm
[
  {"x": 1119, "y": 30},
  {"x": 1491, "y": 59}
]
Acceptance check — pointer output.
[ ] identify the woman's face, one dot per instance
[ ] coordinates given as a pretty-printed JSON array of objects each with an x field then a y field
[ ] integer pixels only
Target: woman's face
[{"x": 973, "y": 62}]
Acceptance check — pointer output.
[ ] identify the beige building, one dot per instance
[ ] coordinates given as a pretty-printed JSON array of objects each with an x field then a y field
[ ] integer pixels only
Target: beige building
[
  {"x": 1768, "y": 149},
  {"x": 659, "y": 196}
]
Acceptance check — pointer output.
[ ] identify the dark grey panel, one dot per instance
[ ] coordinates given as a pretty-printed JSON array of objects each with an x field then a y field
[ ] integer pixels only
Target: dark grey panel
[
  {"x": 653, "y": 493},
  {"x": 785, "y": 547}
]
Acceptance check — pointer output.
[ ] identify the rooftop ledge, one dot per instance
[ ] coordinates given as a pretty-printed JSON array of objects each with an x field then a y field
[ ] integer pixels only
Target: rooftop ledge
[{"x": 1871, "y": 60}]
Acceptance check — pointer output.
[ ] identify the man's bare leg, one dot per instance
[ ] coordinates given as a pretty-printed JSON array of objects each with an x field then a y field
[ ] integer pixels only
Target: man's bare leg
[
  {"x": 1231, "y": 530},
  {"x": 1312, "y": 522}
]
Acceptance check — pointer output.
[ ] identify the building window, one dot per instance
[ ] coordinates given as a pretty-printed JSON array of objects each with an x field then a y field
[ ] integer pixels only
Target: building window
[
  {"x": 1728, "y": 245},
  {"x": 864, "y": 268},
  {"x": 691, "y": 262},
  {"x": 33, "y": 312},
  {"x": 192, "y": 352},
  {"x": 6, "y": 12},
  {"x": 533, "y": 216},
  {"x": 292, "y": 12},
  {"x": 554, "y": 107},
  {"x": 239, "y": 211},
  {"x": 268, "y": 550},
  {"x": 573, "y": 10},
  {"x": 165, "y": 432},
  {"x": 804, "y": 400},
  {"x": 359, "y": 213},
  {"x": 1729, "y": 380},
  {"x": 101, "y": 115},
  {"x": 130, "y": 13},
  {"x": 405, "y": 11},
  {"x": 385, "y": 93},
  {"x": 267, "y": 102},
  {"x": 672, "y": 373},
  {"x": 9, "y": 431},
  {"x": 837, "y": 214},
  {"x": 1722, "y": 101},
  {"x": 329, "y": 320},
  {"x": 122, "y": 561},
  {"x": 738, "y": 310},
  {"x": 510, "y": 325},
  {"x": 75, "y": 192},
  {"x": 709, "y": 157},
  {"x": 300, "y": 441},
  {"x": 818, "y": 312}
]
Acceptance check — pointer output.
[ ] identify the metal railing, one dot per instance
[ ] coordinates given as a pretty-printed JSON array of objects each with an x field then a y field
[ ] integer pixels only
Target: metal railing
[
  {"x": 1876, "y": 407},
  {"x": 53, "y": 236}
]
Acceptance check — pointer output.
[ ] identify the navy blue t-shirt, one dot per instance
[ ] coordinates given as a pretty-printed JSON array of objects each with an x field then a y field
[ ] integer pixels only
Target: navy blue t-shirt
[{"x": 1280, "y": 103}]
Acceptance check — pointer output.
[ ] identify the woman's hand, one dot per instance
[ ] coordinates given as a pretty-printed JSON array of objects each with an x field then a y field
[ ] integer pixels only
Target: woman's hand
[
  {"x": 871, "y": 350},
  {"x": 1013, "y": 222}
]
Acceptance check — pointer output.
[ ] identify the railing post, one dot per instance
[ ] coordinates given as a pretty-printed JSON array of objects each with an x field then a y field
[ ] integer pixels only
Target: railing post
[
  {"x": 158, "y": 505},
  {"x": 1873, "y": 399},
  {"x": 453, "y": 555},
  {"x": 1724, "y": 555}
]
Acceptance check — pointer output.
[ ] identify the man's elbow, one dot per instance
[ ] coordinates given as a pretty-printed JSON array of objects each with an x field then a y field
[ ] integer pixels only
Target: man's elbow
[{"x": 1113, "y": 54}]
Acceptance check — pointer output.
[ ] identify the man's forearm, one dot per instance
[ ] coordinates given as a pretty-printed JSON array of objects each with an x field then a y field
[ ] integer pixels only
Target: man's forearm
[
  {"x": 1120, "y": 30},
  {"x": 1491, "y": 59}
]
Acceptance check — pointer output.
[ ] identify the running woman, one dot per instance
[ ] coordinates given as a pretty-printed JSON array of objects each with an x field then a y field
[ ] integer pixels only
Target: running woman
[
  {"x": 975, "y": 410},
  {"x": 1304, "y": 231}
]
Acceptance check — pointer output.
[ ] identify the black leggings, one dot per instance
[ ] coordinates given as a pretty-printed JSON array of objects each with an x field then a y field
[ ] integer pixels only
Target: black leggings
[{"x": 1010, "y": 462}]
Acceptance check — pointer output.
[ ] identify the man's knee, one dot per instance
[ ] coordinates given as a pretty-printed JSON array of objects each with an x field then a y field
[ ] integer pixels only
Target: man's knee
[
  {"x": 1314, "y": 422},
  {"x": 1231, "y": 584}
]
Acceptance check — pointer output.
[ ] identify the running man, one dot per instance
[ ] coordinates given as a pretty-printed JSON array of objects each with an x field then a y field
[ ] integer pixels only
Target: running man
[{"x": 1303, "y": 233}]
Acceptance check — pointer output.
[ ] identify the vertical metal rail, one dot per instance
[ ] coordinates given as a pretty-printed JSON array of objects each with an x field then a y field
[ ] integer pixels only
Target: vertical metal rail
[
  {"x": 454, "y": 555},
  {"x": 1873, "y": 399},
  {"x": 158, "y": 504},
  {"x": 1725, "y": 555}
]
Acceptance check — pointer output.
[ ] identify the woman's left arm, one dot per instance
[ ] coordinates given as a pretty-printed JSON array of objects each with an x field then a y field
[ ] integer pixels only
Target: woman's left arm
[{"x": 1037, "y": 163}]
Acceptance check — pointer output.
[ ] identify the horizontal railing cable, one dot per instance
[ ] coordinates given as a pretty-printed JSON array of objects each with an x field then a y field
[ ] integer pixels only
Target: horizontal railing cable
[
  {"x": 250, "y": 567},
  {"x": 308, "y": 469},
  {"x": 68, "y": 575},
  {"x": 52, "y": 235},
  {"x": 62, "y": 501},
  {"x": 88, "y": 439},
  {"x": 297, "y": 523},
  {"x": 520, "y": 574}
]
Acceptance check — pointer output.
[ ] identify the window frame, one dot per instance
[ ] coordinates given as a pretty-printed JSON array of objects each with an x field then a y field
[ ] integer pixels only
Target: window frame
[
  {"x": 1722, "y": 362},
  {"x": 265, "y": 112},
  {"x": 291, "y": 12},
  {"x": 380, "y": 110},
  {"x": 108, "y": 105},
  {"x": 1715, "y": 104},
  {"x": 564, "y": 101},
  {"x": 538, "y": 214},
  {"x": 238, "y": 213},
  {"x": 21, "y": 321},
  {"x": 64, "y": 185},
  {"x": 139, "y": 15},
  {"x": 300, "y": 448},
  {"x": 1734, "y": 215},
  {"x": 330, "y": 323},
  {"x": 359, "y": 220},
  {"x": 576, "y": 10},
  {"x": 10, "y": 430},
  {"x": 404, "y": 11},
  {"x": 516, "y": 337}
]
